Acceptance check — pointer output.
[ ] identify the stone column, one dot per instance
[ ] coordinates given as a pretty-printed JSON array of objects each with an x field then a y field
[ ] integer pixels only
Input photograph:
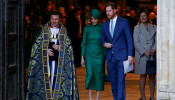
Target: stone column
[
  {"x": 166, "y": 50},
  {"x": 172, "y": 50}
]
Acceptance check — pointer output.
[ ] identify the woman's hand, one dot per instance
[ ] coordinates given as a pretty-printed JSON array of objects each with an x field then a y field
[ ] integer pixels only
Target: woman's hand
[
  {"x": 152, "y": 52},
  {"x": 82, "y": 61},
  {"x": 56, "y": 47},
  {"x": 50, "y": 52},
  {"x": 147, "y": 54}
]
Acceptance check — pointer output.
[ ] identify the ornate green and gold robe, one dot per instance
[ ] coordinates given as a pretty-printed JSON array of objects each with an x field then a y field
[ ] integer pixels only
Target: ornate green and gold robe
[{"x": 38, "y": 78}]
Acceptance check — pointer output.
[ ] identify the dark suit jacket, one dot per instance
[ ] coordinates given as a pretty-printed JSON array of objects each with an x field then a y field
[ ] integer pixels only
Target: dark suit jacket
[{"x": 122, "y": 40}]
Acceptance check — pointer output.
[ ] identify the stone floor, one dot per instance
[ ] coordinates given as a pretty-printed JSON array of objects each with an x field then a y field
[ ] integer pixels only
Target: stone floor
[{"x": 132, "y": 87}]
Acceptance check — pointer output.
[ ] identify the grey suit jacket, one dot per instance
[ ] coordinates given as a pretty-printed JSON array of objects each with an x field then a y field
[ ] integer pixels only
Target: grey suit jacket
[{"x": 143, "y": 40}]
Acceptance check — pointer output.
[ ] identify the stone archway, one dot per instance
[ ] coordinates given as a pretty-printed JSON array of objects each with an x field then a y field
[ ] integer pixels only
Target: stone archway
[{"x": 166, "y": 50}]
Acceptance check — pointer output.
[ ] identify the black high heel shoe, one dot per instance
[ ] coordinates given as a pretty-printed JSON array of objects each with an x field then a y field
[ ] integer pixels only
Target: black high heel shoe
[{"x": 150, "y": 98}]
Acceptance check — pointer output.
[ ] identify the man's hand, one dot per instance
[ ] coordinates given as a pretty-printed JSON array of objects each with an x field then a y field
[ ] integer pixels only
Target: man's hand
[
  {"x": 82, "y": 61},
  {"x": 147, "y": 54},
  {"x": 50, "y": 52},
  {"x": 56, "y": 47},
  {"x": 107, "y": 45},
  {"x": 130, "y": 59}
]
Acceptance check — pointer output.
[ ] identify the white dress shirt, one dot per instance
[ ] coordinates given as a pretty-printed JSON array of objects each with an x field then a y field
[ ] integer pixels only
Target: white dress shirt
[{"x": 114, "y": 22}]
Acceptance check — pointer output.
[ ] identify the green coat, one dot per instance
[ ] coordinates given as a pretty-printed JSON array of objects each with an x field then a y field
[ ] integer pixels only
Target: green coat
[{"x": 94, "y": 54}]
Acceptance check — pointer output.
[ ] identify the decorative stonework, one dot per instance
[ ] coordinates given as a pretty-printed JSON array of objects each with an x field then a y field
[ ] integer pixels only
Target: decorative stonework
[{"x": 163, "y": 96}]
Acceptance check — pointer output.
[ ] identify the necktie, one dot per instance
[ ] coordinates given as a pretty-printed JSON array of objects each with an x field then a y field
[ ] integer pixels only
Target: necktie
[{"x": 112, "y": 28}]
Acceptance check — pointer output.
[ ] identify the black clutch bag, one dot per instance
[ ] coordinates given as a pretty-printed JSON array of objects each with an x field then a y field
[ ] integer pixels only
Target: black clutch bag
[
  {"x": 55, "y": 52},
  {"x": 151, "y": 66}
]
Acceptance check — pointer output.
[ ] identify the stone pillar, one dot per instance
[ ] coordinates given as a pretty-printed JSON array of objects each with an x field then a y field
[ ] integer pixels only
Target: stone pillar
[
  {"x": 172, "y": 50},
  {"x": 166, "y": 50}
]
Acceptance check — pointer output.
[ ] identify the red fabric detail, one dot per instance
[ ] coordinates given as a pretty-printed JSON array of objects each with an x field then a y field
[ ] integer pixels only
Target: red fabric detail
[{"x": 52, "y": 26}]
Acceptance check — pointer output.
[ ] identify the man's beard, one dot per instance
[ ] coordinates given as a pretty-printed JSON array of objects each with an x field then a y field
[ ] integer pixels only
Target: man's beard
[{"x": 110, "y": 16}]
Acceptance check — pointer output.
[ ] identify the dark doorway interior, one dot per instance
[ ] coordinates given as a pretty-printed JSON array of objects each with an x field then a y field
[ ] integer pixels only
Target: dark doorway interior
[{"x": 12, "y": 50}]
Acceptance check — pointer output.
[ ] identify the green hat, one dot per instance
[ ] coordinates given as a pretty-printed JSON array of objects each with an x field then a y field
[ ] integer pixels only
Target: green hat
[{"x": 95, "y": 13}]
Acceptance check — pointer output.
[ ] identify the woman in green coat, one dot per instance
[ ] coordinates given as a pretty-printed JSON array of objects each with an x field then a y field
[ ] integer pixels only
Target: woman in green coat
[{"x": 93, "y": 55}]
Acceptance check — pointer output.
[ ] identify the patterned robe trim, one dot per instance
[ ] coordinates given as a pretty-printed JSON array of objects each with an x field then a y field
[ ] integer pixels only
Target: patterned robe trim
[{"x": 52, "y": 95}]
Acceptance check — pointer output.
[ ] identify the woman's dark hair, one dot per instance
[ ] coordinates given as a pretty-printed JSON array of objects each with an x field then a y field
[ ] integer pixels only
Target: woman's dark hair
[{"x": 144, "y": 10}]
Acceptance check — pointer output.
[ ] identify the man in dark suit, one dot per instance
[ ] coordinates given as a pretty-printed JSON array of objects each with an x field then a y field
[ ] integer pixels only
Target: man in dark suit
[{"x": 117, "y": 38}]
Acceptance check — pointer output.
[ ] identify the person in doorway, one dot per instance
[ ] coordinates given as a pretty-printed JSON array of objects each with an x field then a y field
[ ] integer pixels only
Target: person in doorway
[
  {"x": 51, "y": 74},
  {"x": 93, "y": 55},
  {"x": 117, "y": 38},
  {"x": 73, "y": 25},
  {"x": 153, "y": 19},
  {"x": 145, "y": 47}
]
